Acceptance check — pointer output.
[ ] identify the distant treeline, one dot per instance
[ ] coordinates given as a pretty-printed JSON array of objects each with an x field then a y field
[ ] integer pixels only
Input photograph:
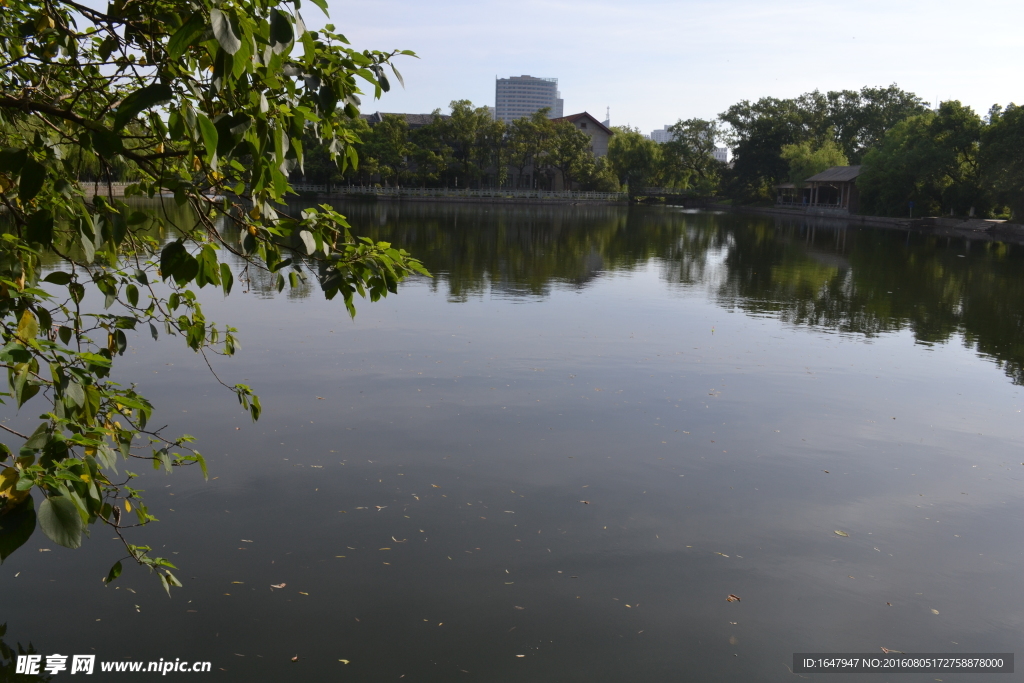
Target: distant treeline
[
  {"x": 466, "y": 148},
  {"x": 945, "y": 160}
]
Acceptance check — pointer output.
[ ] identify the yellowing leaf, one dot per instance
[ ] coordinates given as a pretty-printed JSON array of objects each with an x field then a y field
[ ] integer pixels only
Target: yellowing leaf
[
  {"x": 127, "y": 505},
  {"x": 842, "y": 533},
  {"x": 28, "y": 326}
]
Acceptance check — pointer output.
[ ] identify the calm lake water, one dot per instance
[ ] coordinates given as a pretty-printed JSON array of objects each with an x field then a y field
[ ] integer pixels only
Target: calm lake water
[{"x": 557, "y": 458}]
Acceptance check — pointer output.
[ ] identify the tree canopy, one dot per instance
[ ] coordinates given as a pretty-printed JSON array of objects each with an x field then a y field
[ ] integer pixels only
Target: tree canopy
[
  {"x": 689, "y": 157},
  {"x": 854, "y": 120},
  {"x": 209, "y": 106},
  {"x": 933, "y": 160},
  {"x": 634, "y": 158},
  {"x": 805, "y": 160}
]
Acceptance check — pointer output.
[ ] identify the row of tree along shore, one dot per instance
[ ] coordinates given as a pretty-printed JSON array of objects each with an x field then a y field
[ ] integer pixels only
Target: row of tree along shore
[{"x": 945, "y": 160}]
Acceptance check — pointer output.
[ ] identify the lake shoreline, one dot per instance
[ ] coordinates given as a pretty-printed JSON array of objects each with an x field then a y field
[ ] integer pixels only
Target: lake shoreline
[{"x": 973, "y": 229}]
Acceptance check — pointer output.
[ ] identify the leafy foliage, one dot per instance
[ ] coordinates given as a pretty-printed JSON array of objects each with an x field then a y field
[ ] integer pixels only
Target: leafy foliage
[
  {"x": 635, "y": 159},
  {"x": 571, "y": 153},
  {"x": 805, "y": 160},
  {"x": 1002, "y": 158},
  {"x": 689, "y": 157},
  {"x": 211, "y": 104},
  {"x": 931, "y": 160},
  {"x": 467, "y": 148},
  {"x": 854, "y": 120}
]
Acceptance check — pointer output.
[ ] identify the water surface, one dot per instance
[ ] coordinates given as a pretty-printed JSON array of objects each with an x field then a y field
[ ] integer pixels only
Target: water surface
[{"x": 556, "y": 459}]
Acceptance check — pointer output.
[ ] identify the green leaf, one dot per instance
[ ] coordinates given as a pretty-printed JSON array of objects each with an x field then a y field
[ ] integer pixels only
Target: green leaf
[
  {"x": 209, "y": 133},
  {"x": 106, "y": 458},
  {"x": 222, "y": 30},
  {"x": 58, "y": 277},
  {"x": 138, "y": 218},
  {"x": 16, "y": 526},
  {"x": 226, "y": 278},
  {"x": 76, "y": 393},
  {"x": 33, "y": 175},
  {"x": 11, "y": 160},
  {"x": 172, "y": 579},
  {"x": 184, "y": 36},
  {"x": 106, "y": 143},
  {"x": 40, "y": 228},
  {"x": 308, "y": 241},
  {"x": 141, "y": 100},
  {"x": 77, "y": 291},
  {"x": 115, "y": 572},
  {"x": 88, "y": 248},
  {"x": 60, "y": 521},
  {"x": 176, "y": 262},
  {"x": 230, "y": 130},
  {"x": 281, "y": 33}
]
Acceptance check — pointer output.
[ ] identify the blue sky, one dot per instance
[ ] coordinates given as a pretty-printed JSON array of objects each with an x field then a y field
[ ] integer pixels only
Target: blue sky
[{"x": 654, "y": 62}]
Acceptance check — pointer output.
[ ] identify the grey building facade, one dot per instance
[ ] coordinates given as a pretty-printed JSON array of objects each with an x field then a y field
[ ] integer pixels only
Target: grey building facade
[{"x": 520, "y": 96}]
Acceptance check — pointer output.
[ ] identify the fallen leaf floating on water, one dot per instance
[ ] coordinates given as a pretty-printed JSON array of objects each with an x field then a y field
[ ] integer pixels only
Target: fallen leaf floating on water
[
  {"x": 842, "y": 533},
  {"x": 518, "y": 607},
  {"x": 935, "y": 611},
  {"x": 343, "y": 661},
  {"x": 722, "y": 554},
  {"x": 520, "y": 655},
  {"x": 732, "y": 598},
  {"x": 278, "y": 585},
  {"x": 585, "y": 502},
  {"x": 295, "y": 658},
  {"x": 320, "y": 398},
  {"x": 887, "y": 651}
]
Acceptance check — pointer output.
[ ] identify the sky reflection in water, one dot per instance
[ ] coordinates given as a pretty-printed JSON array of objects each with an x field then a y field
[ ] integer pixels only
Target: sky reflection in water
[{"x": 572, "y": 444}]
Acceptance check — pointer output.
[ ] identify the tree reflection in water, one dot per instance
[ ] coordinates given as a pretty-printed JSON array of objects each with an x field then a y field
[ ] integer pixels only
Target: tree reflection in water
[{"x": 822, "y": 273}]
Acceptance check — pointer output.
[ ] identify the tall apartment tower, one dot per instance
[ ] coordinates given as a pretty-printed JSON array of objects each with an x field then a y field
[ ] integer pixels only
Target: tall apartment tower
[{"x": 520, "y": 96}]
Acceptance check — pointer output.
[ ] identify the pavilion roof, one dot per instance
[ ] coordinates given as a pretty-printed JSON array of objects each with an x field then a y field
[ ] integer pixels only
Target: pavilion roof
[{"x": 836, "y": 174}]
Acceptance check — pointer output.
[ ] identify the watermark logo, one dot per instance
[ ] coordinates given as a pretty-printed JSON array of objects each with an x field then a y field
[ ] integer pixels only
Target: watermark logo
[{"x": 86, "y": 664}]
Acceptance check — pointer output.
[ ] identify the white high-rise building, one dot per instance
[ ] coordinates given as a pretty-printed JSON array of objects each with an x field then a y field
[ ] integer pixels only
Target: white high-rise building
[
  {"x": 520, "y": 96},
  {"x": 662, "y": 135}
]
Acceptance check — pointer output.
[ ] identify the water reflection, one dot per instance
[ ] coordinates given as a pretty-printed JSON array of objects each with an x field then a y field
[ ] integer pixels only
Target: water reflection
[
  {"x": 412, "y": 500},
  {"x": 815, "y": 272},
  {"x": 9, "y": 661}
]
